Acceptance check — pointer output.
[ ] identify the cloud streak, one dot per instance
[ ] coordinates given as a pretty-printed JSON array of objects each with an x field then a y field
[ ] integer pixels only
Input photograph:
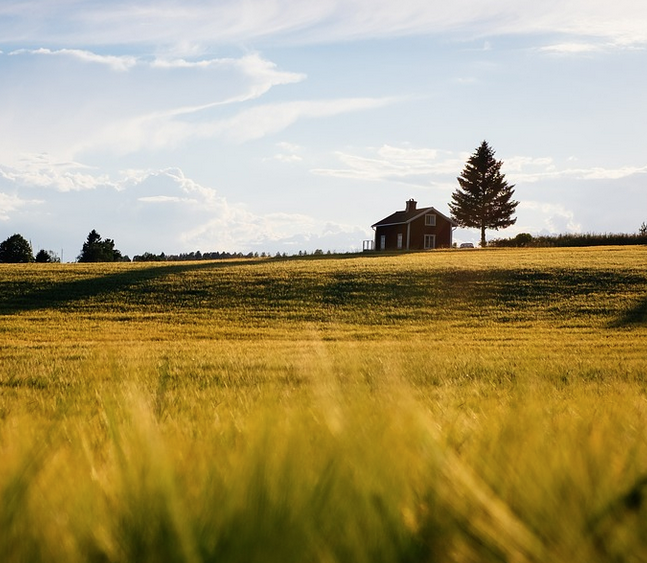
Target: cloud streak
[
  {"x": 91, "y": 22},
  {"x": 118, "y": 63},
  {"x": 166, "y": 129},
  {"x": 271, "y": 118},
  {"x": 425, "y": 167},
  {"x": 84, "y": 101}
]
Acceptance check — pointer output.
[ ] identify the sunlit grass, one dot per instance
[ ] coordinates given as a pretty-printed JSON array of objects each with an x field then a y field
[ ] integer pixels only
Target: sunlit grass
[{"x": 452, "y": 406}]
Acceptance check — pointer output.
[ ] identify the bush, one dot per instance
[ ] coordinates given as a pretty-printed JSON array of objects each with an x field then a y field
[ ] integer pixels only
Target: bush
[{"x": 44, "y": 256}]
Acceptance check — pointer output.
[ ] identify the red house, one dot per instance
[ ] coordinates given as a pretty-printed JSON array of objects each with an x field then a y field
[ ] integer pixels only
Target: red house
[{"x": 414, "y": 229}]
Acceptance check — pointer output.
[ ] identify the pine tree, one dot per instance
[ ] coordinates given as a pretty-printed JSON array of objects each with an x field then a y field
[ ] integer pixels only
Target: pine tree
[{"x": 484, "y": 199}]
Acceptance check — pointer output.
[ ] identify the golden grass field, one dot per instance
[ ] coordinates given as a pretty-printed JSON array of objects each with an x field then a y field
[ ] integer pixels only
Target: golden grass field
[{"x": 485, "y": 405}]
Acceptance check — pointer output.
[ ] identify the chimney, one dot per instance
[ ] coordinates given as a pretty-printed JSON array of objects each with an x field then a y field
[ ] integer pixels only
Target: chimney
[{"x": 411, "y": 205}]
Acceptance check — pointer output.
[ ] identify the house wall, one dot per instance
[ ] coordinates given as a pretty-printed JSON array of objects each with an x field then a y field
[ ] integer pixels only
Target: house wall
[
  {"x": 417, "y": 232},
  {"x": 391, "y": 233}
]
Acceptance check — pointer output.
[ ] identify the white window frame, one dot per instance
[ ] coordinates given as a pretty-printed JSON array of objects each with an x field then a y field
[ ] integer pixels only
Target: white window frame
[
  {"x": 430, "y": 242},
  {"x": 382, "y": 242},
  {"x": 430, "y": 220},
  {"x": 399, "y": 245}
]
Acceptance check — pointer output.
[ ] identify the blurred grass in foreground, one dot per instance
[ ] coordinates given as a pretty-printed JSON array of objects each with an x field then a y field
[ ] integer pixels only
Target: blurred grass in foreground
[{"x": 452, "y": 406}]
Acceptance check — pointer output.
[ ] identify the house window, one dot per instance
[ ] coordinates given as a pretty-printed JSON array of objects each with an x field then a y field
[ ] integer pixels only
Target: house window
[
  {"x": 430, "y": 242},
  {"x": 399, "y": 241},
  {"x": 382, "y": 242},
  {"x": 430, "y": 220}
]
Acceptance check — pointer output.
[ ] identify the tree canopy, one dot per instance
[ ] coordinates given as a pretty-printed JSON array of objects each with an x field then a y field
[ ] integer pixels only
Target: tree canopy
[
  {"x": 95, "y": 249},
  {"x": 484, "y": 198},
  {"x": 16, "y": 249},
  {"x": 46, "y": 256}
]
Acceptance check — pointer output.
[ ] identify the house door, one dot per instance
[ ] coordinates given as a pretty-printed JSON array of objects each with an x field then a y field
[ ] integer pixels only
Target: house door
[
  {"x": 430, "y": 242},
  {"x": 382, "y": 242}
]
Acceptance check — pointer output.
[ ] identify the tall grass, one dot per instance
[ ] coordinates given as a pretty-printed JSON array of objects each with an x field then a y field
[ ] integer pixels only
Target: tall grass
[{"x": 445, "y": 406}]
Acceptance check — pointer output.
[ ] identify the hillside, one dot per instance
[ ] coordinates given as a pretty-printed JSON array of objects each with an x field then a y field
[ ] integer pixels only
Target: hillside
[
  {"x": 559, "y": 286},
  {"x": 482, "y": 405}
]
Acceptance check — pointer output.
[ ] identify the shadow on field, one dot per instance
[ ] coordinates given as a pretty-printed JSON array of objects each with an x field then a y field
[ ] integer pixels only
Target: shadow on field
[
  {"x": 636, "y": 315},
  {"x": 35, "y": 294},
  {"x": 378, "y": 294}
]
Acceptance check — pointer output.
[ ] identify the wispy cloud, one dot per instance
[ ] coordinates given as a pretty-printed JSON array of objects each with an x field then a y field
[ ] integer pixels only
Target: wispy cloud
[
  {"x": 10, "y": 203},
  {"x": 91, "y": 22},
  {"x": 425, "y": 167},
  {"x": 418, "y": 166},
  {"x": 530, "y": 170},
  {"x": 86, "y": 109},
  {"x": 119, "y": 63},
  {"x": 266, "y": 119},
  {"x": 574, "y": 48},
  {"x": 598, "y": 173},
  {"x": 166, "y": 129}
]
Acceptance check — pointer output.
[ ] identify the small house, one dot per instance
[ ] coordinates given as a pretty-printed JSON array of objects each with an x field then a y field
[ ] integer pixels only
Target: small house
[{"x": 414, "y": 229}]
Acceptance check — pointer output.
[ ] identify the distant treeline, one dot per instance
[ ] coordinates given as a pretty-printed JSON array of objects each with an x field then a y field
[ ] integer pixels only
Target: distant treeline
[
  {"x": 588, "y": 239},
  {"x": 151, "y": 257}
]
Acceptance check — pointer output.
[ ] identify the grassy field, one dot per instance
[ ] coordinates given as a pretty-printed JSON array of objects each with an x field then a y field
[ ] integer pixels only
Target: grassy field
[{"x": 485, "y": 405}]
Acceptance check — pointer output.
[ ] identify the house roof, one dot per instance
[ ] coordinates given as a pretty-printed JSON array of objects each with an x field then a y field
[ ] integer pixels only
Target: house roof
[{"x": 404, "y": 217}]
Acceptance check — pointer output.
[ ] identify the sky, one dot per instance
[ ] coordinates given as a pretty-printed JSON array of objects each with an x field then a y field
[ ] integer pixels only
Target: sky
[{"x": 285, "y": 125}]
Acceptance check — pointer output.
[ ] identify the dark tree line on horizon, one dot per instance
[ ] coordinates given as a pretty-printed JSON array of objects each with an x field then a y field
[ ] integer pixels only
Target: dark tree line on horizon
[{"x": 16, "y": 249}]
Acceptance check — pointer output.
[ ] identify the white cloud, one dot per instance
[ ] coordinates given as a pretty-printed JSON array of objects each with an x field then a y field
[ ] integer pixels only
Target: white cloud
[
  {"x": 163, "y": 129},
  {"x": 266, "y": 119},
  {"x": 287, "y": 158},
  {"x": 610, "y": 174},
  {"x": 264, "y": 72},
  {"x": 10, "y": 203},
  {"x": 186, "y": 22},
  {"x": 573, "y": 48},
  {"x": 423, "y": 166},
  {"x": 164, "y": 199},
  {"x": 42, "y": 170},
  {"x": 289, "y": 153},
  {"x": 525, "y": 170},
  {"x": 152, "y": 210},
  {"x": 549, "y": 218},
  {"x": 286, "y": 232},
  {"x": 418, "y": 166},
  {"x": 57, "y": 104},
  {"x": 118, "y": 63}
]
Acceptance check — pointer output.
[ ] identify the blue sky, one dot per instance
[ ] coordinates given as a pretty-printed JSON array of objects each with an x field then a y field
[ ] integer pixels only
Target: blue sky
[{"x": 279, "y": 125}]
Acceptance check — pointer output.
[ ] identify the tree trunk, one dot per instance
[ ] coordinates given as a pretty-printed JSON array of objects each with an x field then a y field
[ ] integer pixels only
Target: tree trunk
[{"x": 483, "y": 241}]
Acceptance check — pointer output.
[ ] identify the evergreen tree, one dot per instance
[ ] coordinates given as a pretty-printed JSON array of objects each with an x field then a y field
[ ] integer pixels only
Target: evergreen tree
[
  {"x": 16, "y": 249},
  {"x": 484, "y": 199},
  {"x": 97, "y": 250}
]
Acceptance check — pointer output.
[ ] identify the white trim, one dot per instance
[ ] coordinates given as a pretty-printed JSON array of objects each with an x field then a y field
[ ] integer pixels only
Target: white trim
[{"x": 423, "y": 211}]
